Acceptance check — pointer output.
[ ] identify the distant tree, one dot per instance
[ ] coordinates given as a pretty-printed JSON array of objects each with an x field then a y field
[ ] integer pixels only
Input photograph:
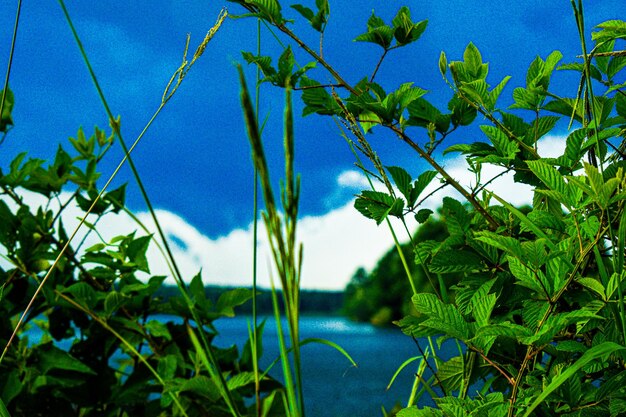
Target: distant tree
[{"x": 383, "y": 295}]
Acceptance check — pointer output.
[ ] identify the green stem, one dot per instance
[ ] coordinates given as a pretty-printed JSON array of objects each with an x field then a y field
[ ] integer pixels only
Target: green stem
[
  {"x": 215, "y": 372},
  {"x": 10, "y": 63}
]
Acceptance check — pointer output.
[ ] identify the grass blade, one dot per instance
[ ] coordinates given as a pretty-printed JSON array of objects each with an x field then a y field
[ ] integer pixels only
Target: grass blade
[
  {"x": 400, "y": 368},
  {"x": 330, "y": 344},
  {"x": 3, "y": 410}
]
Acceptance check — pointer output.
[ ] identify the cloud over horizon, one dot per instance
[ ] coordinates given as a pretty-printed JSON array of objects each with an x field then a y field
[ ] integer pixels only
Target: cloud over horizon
[{"x": 335, "y": 244}]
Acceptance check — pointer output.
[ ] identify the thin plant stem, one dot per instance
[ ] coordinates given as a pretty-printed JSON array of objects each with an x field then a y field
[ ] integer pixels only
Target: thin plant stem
[
  {"x": 170, "y": 89},
  {"x": 5, "y": 88},
  {"x": 255, "y": 240}
]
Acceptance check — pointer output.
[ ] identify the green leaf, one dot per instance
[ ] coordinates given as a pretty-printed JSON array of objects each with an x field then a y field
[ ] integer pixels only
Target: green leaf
[
  {"x": 441, "y": 317},
  {"x": 597, "y": 352},
  {"x": 550, "y": 177},
  {"x": 84, "y": 294},
  {"x": 423, "y": 215},
  {"x": 463, "y": 114},
  {"x": 269, "y": 9},
  {"x": 52, "y": 358},
  {"x": 167, "y": 366},
  {"x": 610, "y": 30},
  {"x": 483, "y": 303},
  {"x": 317, "y": 99},
  {"x": 530, "y": 225},
  {"x": 565, "y": 106},
  {"x": 474, "y": 63},
  {"x": 502, "y": 242},
  {"x": 424, "y": 114},
  {"x": 196, "y": 288},
  {"x": 241, "y": 380},
  {"x": 136, "y": 253},
  {"x": 504, "y": 146},
  {"x": 377, "y": 205},
  {"x": 593, "y": 285},
  {"x": 526, "y": 276},
  {"x": 423, "y": 180},
  {"x": 377, "y": 32},
  {"x": 451, "y": 373},
  {"x": 616, "y": 64},
  {"x": 594, "y": 72},
  {"x": 573, "y": 145},
  {"x": 113, "y": 301},
  {"x": 201, "y": 385},
  {"x": 476, "y": 90},
  {"x": 505, "y": 329},
  {"x": 405, "y": 31},
  {"x": 402, "y": 180},
  {"x": 417, "y": 412},
  {"x": 304, "y": 11},
  {"x": 368, "y": 120},
  {"x": 494, "y": 94},
  {"x": 445, "y": 262},
  {"x": 158, "y": 329},
  {"x": 541, "y": 126},
  {"x": 231, "y": 299},
  {"x": 263, "y": 62}
]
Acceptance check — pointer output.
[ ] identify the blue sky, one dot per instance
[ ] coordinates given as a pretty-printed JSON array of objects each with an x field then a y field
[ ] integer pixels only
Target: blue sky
[{"x": 195, "y": 160}]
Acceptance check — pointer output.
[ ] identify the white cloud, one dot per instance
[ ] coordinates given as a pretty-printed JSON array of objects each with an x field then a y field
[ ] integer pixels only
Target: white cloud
[
  {"x": 335, "y": 244},
  {"x": 352, "y": 179}
]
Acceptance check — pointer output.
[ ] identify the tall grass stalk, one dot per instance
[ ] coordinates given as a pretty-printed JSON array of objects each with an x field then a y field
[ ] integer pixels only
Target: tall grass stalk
[
  {"x": 281, "y": 232},
  {"x": 254, "y": 337}
]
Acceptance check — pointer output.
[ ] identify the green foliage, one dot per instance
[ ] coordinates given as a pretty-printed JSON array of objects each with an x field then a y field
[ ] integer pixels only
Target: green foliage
[
  {"x": 402, "y": 29},
  {"x": 95, "y": 315},
  {"x": 533, "y": 295}
]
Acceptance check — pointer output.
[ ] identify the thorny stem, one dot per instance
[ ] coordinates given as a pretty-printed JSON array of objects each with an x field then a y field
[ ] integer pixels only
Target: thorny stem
[
  {"x": 317, "y": 57},
  {"x": 469, "y": 197}
]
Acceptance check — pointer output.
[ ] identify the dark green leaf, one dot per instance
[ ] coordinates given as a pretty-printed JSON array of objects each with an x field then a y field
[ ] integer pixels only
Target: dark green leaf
[
  {"x": 52, "y": 358},
  {"x": 423, "y": 215}
]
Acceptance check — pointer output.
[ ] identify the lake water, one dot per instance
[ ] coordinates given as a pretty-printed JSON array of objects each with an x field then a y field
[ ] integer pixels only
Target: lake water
[{"x": 332, "y": 386}]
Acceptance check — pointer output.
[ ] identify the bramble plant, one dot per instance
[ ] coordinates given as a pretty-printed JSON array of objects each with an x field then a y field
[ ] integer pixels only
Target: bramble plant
[{"x": 537, "y": 313}]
